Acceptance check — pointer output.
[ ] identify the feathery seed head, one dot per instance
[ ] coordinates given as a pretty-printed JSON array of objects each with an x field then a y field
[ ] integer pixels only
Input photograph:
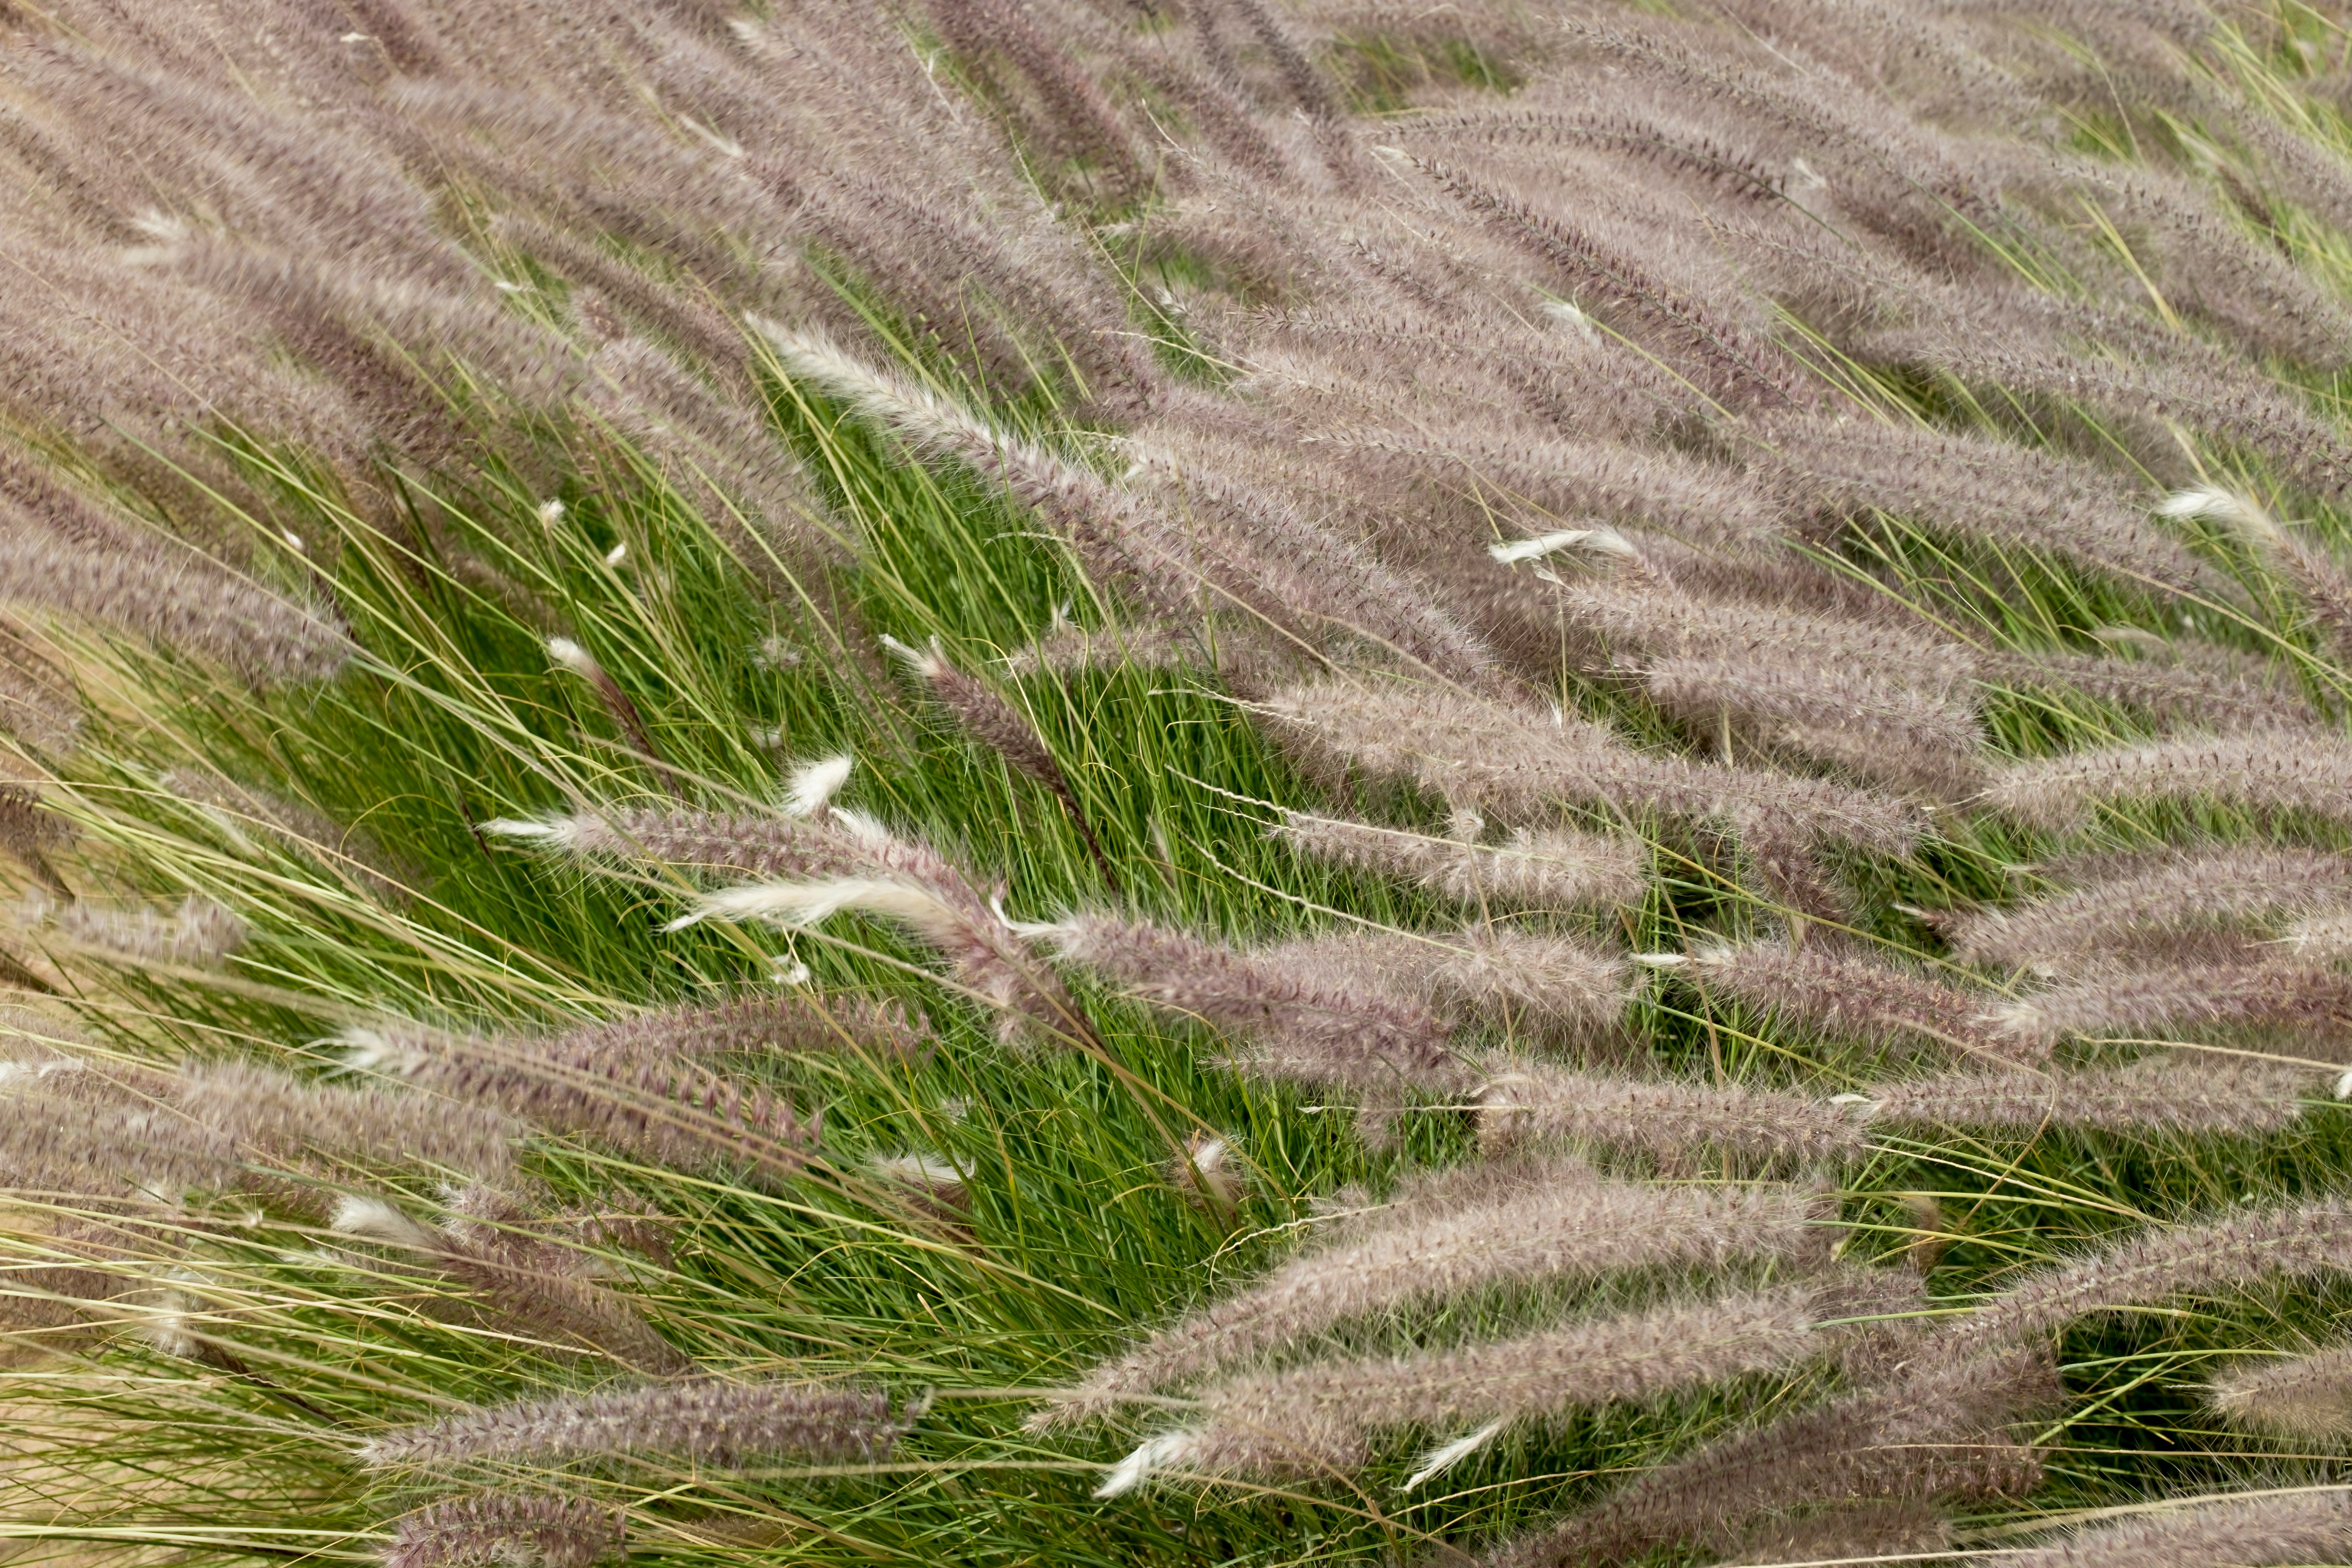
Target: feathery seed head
[
  {"x": 935, "y": 1174},
  {"x": 1844, "y": 996},
  {"x": 201, "y": 933},
  {"x": 1444, "y": 1457},
  {"x": 1295, "y": 1012},
  {"x": 925, "y": 662},
  {"x": 2295, "y": 1240},
  {"x": 373, "y": 1220},
  {"x": 1170, "y": 1450},
  {"x": 1549, "y": 870},
  {"x": 714, "y": 1422},
  {"x": 2265, "y": 770},
  {"x": 390, "y": 1053},
  {"x": 1560, "y": 311},
  {"x": 555, "y": 832},
  {"x": 1324, "y": 1416},
  {"x": 806, "y": 903},
  {"x": 2168, "y": 906},
  {"x": 2181, "y": 996},
  {"x": 1596, "y": 541},
  {"x": 2293, "y": 1526},
  {"x": 2307, "y": 1396},
  {"x": 506, "y": 1530},
  {"x": 812, "y": 786},
  {"x": 2157, "y": 1095},
  {"x": 1662, "y": 1117},
  {"x": 2240, "y": 511},
  {"x": 573, "y": 658},
  {"x": 1543, "y": 1227},
  {"x": 1205, "y": 1175}
]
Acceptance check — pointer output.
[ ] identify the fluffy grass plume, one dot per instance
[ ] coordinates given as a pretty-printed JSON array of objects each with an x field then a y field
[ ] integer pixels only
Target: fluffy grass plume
[
  {"x": 2279, "y": 1527},
  {"x": 1242, "y": 782},
  {"x": 1318, "y": 1416},
  {"x": 1559, "y": 1223}
]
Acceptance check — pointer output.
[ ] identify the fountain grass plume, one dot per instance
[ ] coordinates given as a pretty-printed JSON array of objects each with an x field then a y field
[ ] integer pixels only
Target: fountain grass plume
[
  {"x": 516, "y": 1278},
  {"x": 2014, "y": 496},
  {"x": 1838, "y": 993},
  {"x": 984, "y": 713},
  {"x": 1719, "y": 355},
  {"x": 791, "y": 1020},
  {"x": 1888, "y": 731},
  {"x": 160, "y": 588},
  {"x": 629, "y": 1094},
  {"x": 1523, "y": 1099},
  {"x": 703, "y": 1420},
  {"x": 2128, "y": 906},
  {"x": 2252, "y": 1531},
  {"x": 1303, "y": 574},
  {"x": 2194, "y": 687},
  {"x": 1522, "y": 763},
  {"x": 2180, "y": 995},
  {"x": 1322, "y": 1416},
  {"x": 276, "y": 1116},
  {"x": 547, "y": 1530},
  {"x": 818, "y": 865},
  {"x": 704, "y": 844},
  {"x": 1064, "y": 114},
  {"x": 2293, "y": 1240},
  {"x": 1533, "y": 983},
  {"x": 201, "y": 933},
  {"x": 2266, "y": 771},
  {"x": 115, "y": 1130},
  {"x": 29, "y": 832},
  {"x": 37, "y": 704},
  {"x": 1931, "y": 1433},
  {"x": 1290, "y": 1016},
  {"x": 1551, "y": 869},
  {"x": 2305, "y": 1396},
  {"x": 1755, "y": 611},
  {"x": 2160, "y": 1094},
  {"x": 83, "y": 1132},
  {"x": 1557, "y": 1224}
]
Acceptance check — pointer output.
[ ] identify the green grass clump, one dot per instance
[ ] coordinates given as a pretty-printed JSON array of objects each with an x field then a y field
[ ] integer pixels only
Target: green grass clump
[{"x": 211, "y": 1409}]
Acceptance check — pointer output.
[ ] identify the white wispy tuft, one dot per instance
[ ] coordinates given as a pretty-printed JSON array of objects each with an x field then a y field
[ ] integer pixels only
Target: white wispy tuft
[
  {"x": 375, "y": 1051},
  {"x": 1574, "y": 319},
  {"x": 2217, "y": 505},
  {"x": 1439, "y": 1460},
  {"x": 558, "y": 831},
  {"x": 937, "y": 1174},
  {"x": 1599, "y": 541},
  {"x": 806, "y": 903},
  {"x": 1169, "y": 1450},
  {"x": 812, "y": 786},
  {"x": 373, "y": 1220},
  {"x": 572, "y": 657}
]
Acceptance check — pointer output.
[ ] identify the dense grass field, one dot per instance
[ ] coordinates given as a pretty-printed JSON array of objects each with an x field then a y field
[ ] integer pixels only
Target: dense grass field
[{"x": 1108, "y": 428}]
